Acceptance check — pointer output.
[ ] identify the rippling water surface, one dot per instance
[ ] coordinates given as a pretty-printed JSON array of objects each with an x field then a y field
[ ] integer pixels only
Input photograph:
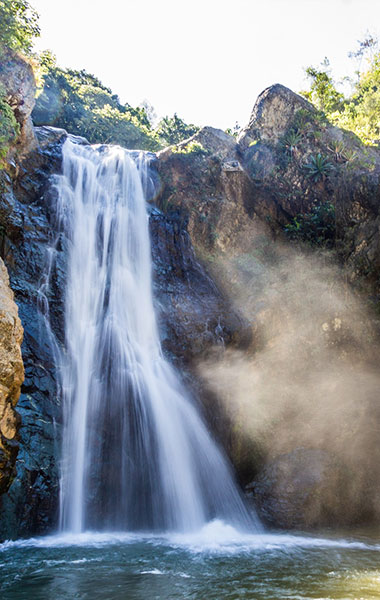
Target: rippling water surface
[{"x": 216, "y": 563}]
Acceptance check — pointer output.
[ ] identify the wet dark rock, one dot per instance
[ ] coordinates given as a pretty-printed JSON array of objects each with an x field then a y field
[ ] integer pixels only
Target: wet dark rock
[
  {"x": 27, "y": 229},
  {"x": 193, "y": 315}
]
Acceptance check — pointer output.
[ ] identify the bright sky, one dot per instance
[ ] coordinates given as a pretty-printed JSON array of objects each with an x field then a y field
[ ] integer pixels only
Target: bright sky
[{"x": 207, "y": 60}]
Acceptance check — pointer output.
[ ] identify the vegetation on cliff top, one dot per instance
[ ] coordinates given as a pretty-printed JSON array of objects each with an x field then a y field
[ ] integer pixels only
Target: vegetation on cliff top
[
  {"x": 360, "y": 111},
  {"x": 76, "y": 100},
  {"x": 19, "y": 27}
]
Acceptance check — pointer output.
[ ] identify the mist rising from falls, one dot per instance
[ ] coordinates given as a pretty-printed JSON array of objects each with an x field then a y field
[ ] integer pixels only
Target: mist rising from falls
[{"x": 136, "y": 454}]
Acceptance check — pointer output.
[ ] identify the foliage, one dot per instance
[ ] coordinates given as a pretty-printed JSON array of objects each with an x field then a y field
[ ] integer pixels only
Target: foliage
[
  {"x": 192, "y": 148},
  {"x": 323, "y": 93},
  {"x": 318, "y": 167},
  {"x": 360, "y": 112},
  {"x": 350, "y": 155},
  {"x": 316, "y": 227},
  {"x": 342, "y": 153},
  {"x": 9, "y": 128},
  {"x": 235, "y": 130},
  {"x": 19, "y": 25},
  {"x": 18, "y": 28},
  {"x": 172, "y": 130},
  {"x": 338, "y": 148},
  {"x": 291, "y": 140},
  {"x": 78, "y": 102},
  {"x": 367, "y": 46}
]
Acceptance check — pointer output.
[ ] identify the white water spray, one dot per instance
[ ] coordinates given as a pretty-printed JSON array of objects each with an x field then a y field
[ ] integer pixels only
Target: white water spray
[{"x": 136, "y": 454}]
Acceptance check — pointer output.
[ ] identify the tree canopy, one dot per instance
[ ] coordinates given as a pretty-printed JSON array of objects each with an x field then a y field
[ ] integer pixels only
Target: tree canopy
[
  {"x": 172, "y": 130},
  {"x": 19, "y": 25},
  {"x": 78, "y": 102},
  {"x": 360, "y": 111},
  {"x": 18, "y": 28}
]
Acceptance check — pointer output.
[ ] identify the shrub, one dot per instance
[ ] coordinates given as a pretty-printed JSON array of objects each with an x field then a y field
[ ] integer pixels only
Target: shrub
[
  {"x": 192, "y": 148},
  {"x": 9, "y": 128},
  {"x": 316, "y": 227}
]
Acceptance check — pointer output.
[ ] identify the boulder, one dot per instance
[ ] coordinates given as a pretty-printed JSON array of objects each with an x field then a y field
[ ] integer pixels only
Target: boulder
[
  {"x": 17, "y": 79},
  {"x": 272, "y": 115},
  {"x": 11, "y": 378}
]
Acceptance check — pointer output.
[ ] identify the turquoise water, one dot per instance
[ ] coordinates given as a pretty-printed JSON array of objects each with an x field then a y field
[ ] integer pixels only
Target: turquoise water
[{"x": 214, "y": 564}]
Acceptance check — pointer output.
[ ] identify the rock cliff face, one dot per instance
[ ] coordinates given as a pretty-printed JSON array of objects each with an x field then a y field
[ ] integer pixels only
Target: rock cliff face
[
  {"x": 299, "y": 162},
  {"x": 11, "y": 378},
  {"x": 26, "y": 215},
  {"x": 273, "y": 114},
  {"x": 218, "y": 225},
  {"x": 17, "y": 78},
  {"x": 241, "y": 199},
  {"x": 193, "y": 315}
]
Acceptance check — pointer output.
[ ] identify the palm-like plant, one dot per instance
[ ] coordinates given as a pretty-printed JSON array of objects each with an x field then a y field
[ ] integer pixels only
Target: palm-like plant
[
  {"x": 318, "y": 167},
  {"x": 338, "y": 148},
  {"x": 291, "y": 140}
]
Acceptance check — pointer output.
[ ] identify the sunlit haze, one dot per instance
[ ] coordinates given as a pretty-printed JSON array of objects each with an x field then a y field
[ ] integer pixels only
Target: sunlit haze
[{"x": 207, "y": 60}]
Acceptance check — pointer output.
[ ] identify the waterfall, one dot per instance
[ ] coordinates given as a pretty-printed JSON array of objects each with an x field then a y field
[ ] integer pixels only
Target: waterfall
[{"x": 136, "y": 453}]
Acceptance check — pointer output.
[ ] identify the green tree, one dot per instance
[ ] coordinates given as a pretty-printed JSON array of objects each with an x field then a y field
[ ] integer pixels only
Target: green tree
[
  {"x": 323, "y": 93},
  {"x": 172, "y": 130},
  {"x": 18, "y": 25},
  {"x": 78, "y": 102},
  {"x": 9, "y": 128},
  {"x": 18, "y": 28},
  {"x": 360, "y": 111}
]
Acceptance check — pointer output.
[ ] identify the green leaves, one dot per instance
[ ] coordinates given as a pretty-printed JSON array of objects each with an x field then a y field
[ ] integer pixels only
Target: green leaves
[
  {"x": 291, "y": 140},
  {"x": 318, "y": 167},
  {"x": 360, "y": 112},
  {"x": 172, "y": 130},
  {"x": 78, "y": 102},
  {"x": 9, "y": 128},
  {"x": 323, "y": 93},
  {"x": 19, "y": 25},
  {"x": 316, "y": 228}
]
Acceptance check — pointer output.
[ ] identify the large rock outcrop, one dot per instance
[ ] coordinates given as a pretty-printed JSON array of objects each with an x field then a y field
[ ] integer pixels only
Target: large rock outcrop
[
  {"x": 272, "y": 116},
  {"x": 11, "y": 378},
  {"x": 306, "y": 488},
  {"x": 17, "y": 79},
  {"x": 246, "y": 205},
  {"x": 299, "y": 163}
]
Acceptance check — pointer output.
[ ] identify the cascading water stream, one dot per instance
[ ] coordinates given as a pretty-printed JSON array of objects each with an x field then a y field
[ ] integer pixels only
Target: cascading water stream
[{"x": 136, "y": 454}]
